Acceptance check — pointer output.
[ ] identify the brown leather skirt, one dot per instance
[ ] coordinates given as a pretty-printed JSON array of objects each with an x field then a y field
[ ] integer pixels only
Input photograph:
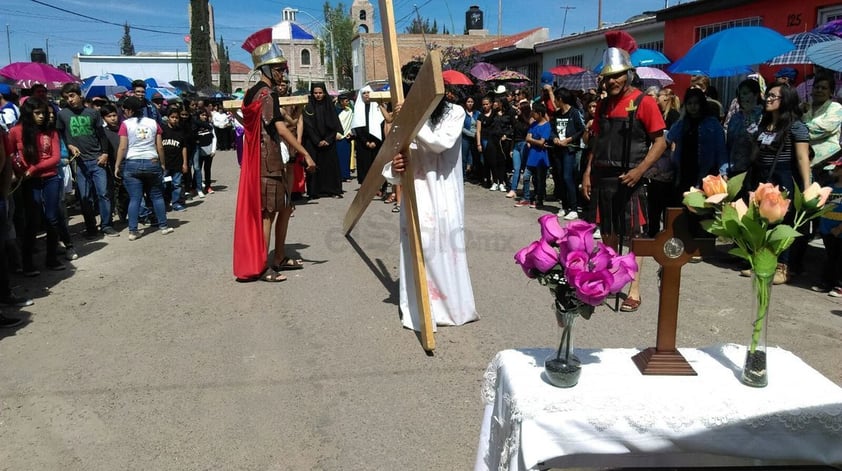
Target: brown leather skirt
[{"x": 274, "y": 194}]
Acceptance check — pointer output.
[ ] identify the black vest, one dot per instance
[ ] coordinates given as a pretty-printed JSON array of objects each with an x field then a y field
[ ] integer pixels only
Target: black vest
[{"x": 622, "y": 143}]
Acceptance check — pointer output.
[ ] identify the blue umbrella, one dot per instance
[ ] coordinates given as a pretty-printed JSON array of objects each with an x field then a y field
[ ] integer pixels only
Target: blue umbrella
[
  {"x": 642, "y": 58},
  {"x": 827, "y": 55},
  {"x": 732, "y": 50},
  {"x": 152, "y": 82},
  {"x": 167, "y": 93},
  {"x": 105, "y": 85}
]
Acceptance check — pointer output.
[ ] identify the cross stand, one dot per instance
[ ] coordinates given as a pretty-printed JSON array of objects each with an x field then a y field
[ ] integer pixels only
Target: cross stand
[{"x": 671, "y": 248}]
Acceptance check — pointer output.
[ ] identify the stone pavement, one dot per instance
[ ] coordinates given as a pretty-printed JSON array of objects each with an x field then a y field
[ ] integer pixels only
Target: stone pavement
[{"x": 146, "y": 355}]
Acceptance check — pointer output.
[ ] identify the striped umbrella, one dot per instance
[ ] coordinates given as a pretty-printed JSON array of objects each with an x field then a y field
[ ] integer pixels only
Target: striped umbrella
[
  {"x": 802, "y": 41},
  {"x": 581, "y": 81}
]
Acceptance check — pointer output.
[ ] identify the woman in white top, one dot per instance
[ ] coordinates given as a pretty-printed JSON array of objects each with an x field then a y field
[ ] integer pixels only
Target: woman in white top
[{"x": 140, "y": 160}]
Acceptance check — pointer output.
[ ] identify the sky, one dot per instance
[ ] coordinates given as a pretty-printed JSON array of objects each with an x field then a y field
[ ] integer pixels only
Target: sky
[{"x": 38, "y": 23}]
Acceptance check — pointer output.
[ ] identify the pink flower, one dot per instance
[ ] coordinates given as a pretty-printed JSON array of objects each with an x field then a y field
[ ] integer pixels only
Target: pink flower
[
  {"x": 551, "y": 230},
  {"x": 579, "y": 237},
  {"x": 592, "y": 287},
  {"x": 525, "y": 264},
  {"x": 542, "y": 257},
  {"x": 714, "y": 185},
  {"x": 770, "y": 202},
  {"x": 623, "y": 269},
  {"x": 575, "y": 262},
  {"x": 602, "y": 257}
]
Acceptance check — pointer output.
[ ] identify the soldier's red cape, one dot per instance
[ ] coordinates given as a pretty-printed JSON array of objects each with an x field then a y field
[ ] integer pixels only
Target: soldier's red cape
[{"x": 249, "y": 244}]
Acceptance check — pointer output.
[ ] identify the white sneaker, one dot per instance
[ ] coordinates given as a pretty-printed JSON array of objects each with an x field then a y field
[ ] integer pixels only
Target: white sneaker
[
  {"x": 494, "y": 187},
  {"x": 572, "y": 215},
  {"x": 200, "y": 194},
  {"x": 597, "y": 234},
  {"x": 70, "y": 254},
  {"x": 502, "y": 188},
  {"x": 167, "y": 230},
  {"x": 134, "y": 235}
]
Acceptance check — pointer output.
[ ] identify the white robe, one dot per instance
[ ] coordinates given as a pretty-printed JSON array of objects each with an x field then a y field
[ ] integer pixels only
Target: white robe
[{"x": 439, "y": 193}]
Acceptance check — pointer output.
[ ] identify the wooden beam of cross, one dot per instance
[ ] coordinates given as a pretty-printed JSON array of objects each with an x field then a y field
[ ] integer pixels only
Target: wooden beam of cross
[
  {"x": 426, "y": 93},
  {"x": 299, "y": 100},
  {"x": 672, "y": 248}
]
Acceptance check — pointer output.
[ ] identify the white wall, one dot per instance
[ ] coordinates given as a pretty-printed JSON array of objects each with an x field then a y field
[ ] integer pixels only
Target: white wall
[{"x": 135, "y": 67}]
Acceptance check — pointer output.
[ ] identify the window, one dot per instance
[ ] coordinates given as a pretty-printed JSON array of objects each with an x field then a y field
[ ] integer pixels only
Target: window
[
  {"x": 653, "y": 45},
  {"x": 305, "y": 57},
  {"x": 570, "y": 60},
  {"x": 829, "y": 14},
  {"x": 362, "y": 15},
  {"x": 704, "y": 31}
]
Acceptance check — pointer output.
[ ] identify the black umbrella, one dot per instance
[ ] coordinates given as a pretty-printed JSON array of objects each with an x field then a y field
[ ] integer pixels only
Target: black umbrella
[{"x": 185, "y": 87}]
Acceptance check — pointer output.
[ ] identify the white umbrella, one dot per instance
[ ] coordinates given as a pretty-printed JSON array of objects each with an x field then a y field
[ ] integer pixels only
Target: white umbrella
[
  {"x": 827, "y": 54},
  {"x": 652, "y": 76}
]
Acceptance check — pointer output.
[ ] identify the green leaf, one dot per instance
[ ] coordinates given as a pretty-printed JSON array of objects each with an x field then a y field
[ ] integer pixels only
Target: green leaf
[
  {"x": 764, "y": 262},
  {"x": 731, "y": 221},
  {"x": 735, "y": 184},
  {"x": 798, "y": 199},
  {"x": 739, "y": 252},
  {"x": 694, "y": 199},
  {"x": 782, "y": 232}
]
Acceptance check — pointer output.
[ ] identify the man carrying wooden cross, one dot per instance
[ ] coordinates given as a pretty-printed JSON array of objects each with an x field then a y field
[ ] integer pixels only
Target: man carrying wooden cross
[
  {"x": 264, "y": 190},
  {"x": 440, "y": 199}
]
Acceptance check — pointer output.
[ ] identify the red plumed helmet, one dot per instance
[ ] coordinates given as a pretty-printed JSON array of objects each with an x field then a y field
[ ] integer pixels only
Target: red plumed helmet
[{"x": 622, "y": 40}]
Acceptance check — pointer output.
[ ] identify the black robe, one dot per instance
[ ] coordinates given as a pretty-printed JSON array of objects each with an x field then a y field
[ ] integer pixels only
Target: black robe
[{"x": 322, "y": 124}]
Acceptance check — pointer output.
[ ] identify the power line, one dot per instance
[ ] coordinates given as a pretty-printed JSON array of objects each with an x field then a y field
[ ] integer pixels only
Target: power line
[{"x": 98, "y": 20}]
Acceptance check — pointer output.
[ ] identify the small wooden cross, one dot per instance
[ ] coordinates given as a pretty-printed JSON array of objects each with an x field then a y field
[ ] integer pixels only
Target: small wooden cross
[{"x": 672, "y": 248}]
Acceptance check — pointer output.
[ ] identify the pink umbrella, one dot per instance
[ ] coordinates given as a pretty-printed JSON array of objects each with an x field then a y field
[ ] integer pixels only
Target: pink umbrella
[
  {"x": 41, "y": 73},
  {"x": 655, "y": 76},
  {"x": 483, "y": 70}
]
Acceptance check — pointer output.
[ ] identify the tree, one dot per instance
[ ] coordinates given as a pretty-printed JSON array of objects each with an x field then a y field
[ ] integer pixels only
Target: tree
[
  {"x": 422, "y": 26},
  {"x": 224, "y": 66},
  {"x": 338, "y": 20},
  {"x": 200, "y": 52},
  {"x": 126, "y": 46}
]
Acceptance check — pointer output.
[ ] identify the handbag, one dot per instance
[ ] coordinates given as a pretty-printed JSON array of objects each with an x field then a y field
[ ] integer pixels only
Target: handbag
[{"x": 19, "y": 164}]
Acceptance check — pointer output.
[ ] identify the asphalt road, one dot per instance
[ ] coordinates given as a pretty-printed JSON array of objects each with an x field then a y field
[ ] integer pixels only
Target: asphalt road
[{"x": 146, "y": 355}]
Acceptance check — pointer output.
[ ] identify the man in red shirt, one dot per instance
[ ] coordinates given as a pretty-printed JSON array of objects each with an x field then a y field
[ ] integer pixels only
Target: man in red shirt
[{"x": 628, "y": 140}]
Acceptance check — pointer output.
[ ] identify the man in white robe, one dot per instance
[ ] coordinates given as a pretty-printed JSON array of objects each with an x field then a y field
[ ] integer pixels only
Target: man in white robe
[{"x": 439, "y": 193}]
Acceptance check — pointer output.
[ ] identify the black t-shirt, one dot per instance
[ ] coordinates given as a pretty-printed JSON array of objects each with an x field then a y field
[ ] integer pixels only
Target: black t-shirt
[{"x": 174, "y": 141}]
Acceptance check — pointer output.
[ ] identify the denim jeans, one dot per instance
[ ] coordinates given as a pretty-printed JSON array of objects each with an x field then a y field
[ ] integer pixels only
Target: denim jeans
[
  {"x": 570, "y": 166},
  {"x": 139, "y": 176},
  {"x": 198, "y": 160},
  {"x": 46, "y": 198},
  {"x": 468, "y": 146},
  {"x": 518, "y": 162},
  {"x": 92, "y": 181},
  {"x": 173, "y": 187}
]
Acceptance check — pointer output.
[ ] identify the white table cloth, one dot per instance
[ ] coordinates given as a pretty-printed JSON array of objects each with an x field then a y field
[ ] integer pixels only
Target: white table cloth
[{"x": 617, "y": 417}]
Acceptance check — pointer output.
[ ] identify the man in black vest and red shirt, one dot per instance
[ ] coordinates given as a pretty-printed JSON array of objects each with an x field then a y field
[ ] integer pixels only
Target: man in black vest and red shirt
[{"x": 629, "y": 139}]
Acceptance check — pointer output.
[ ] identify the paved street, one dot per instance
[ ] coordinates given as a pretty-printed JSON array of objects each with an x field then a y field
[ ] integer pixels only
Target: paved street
[{"x": 146, "y": 355}]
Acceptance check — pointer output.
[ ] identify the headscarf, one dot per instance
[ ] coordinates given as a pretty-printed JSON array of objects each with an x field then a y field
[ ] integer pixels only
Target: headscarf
[
  {"x": 321, "y": 115},
  {"x": 373, "y": 120}
]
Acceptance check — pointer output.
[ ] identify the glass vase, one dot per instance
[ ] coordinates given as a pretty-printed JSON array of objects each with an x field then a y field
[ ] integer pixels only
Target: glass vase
[
  {"x": 564, "y": 368},
  {"x": 754, "y": 371}
]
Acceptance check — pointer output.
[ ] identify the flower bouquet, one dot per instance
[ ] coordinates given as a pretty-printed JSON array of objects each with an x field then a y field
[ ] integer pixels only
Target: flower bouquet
[
  {"x": 581, "y": 273},
  {"x": 759, "y": 237}
]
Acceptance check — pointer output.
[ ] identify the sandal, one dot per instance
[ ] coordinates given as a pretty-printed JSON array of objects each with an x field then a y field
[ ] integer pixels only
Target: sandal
[
  {"x": 390, "y": 199},
  {"x": 396, "y": 209},
  {"x": 272, "y": 276},
  {"x": 630, "y": 305},
  {"x": 288, "y": 264}
]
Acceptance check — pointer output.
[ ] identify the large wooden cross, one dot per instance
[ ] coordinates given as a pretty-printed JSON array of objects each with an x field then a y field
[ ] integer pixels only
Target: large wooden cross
[
  {"x": 426, "y": 93},
  {"x": 672, "y": 248}
]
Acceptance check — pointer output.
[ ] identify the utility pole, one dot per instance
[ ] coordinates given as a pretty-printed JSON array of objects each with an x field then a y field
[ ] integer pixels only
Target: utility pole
[
  {"x": 9, "y": 43},
  {"x": 599, "y": 15},
  {"x": 564, "y": 23},
  {"x": 499, "y": 17}
]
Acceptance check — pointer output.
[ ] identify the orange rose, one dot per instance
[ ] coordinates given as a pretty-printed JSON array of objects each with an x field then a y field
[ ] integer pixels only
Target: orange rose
[
  {"x": 757, "y": 195},
  {"x": 771, "y": 204},
  {"x": 741, "y": 208},
  {"x": 714, "y": 185}
]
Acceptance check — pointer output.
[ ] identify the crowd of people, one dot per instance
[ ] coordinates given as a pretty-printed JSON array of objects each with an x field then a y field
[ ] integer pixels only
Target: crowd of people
[{"x": 128, "y": 161}]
